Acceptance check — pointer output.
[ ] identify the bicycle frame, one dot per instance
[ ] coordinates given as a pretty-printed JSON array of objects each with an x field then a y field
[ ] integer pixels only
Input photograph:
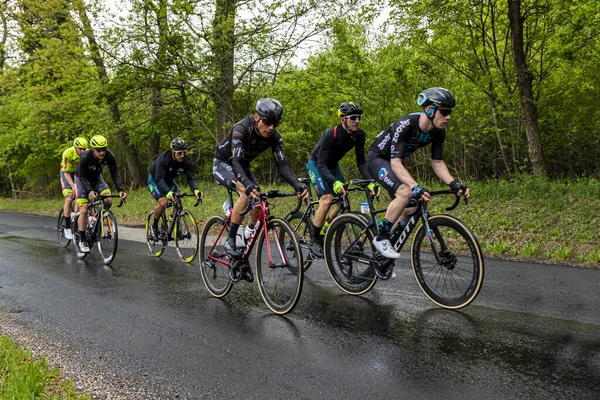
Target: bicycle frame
[
  {"x": 98, "y": 206},
  {"x": 177, "y": 209}
]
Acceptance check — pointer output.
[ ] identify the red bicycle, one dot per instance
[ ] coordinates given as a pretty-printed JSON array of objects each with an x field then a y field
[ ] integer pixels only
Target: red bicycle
[{"x": 277, "y": 258}]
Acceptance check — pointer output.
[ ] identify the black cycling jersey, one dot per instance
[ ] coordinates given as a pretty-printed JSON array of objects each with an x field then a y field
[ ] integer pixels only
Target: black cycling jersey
[
  {"x": 404, "y": 136},
  {"x": 243, "y": 144},
  {"x": 90, "y": 168},
  {"x": 333, "y": 146},
  {"x": 165, "y": 169}
]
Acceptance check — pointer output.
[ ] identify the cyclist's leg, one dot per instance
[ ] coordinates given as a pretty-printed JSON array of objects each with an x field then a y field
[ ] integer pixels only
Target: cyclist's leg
[
  {"x": 223, "y": 174},
  {"x": 325, "y": 194},
  {"x": 338, "y": 175},
  {"x": 381, "y": 169},
  {"x": 101, "y": 187},
  {"x": 67, "y": 191},
  {"x": 81, "y": 196},
  {"x": 161, "y": 202}
]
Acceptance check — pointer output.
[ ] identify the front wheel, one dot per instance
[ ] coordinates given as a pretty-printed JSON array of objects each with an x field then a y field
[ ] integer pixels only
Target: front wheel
[
  {"x": 448, "y": 264},
  {"x": 60, "y": 229},
  {"x": 156, "y": 247},
  {"x": 349, "y": 254},
  {"x": 214, "y": 265},
  {"x": 186, "y": 236},
  {"x": 301, "y": 224},
  {"x": 108, "y": 236},
  {"x": 278, "y": 255}
]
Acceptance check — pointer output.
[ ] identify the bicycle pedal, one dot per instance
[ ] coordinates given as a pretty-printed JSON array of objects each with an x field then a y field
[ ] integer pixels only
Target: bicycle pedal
[{"x": 384, "y": 276}]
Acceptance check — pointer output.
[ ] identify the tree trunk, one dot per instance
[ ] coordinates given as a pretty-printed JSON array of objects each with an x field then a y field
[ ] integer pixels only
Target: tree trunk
[
  {"x": 131, "y": 156},
  {"x": 223, "y": 50},
  {"x": 525, "y": 83},
  {"x": 4, "y": 37}
]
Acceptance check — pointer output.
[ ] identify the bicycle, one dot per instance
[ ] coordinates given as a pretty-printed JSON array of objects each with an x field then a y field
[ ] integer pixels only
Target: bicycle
[
  {"x": 278, "y": 274},
  {"x": 301, "y": 220},
  {"x": 445, "y": 255},
  {"x": 180, "y": 226},
  {"x": 106, "y": 233},
  {"x": 60, "y": 225}
]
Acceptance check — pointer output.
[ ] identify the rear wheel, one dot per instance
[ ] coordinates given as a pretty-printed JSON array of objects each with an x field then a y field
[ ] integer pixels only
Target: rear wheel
[
  {"x": 60, "y": 229},
  {"x": 156, "y": 247},
  {"x": 279, "y": 276},
  {"x": 108, "y": 236},
  {"x": 214, "y": 265},
  {"x": 448, "y": 264},
  {"x": 186, "y": 236},
  {"x": 349, "y": 254}
]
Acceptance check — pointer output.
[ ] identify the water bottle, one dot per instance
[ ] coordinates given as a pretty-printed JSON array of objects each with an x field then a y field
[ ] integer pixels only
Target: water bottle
[
  {"x": 226, "y": 208},
  {"x": 240, "y": 241}
]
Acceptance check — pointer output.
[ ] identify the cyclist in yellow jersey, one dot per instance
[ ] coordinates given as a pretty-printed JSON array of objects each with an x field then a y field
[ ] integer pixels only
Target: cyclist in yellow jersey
[{"x": 68, "y": 166}]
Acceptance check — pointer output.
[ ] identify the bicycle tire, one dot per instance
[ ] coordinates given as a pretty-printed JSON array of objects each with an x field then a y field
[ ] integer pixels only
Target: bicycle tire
[
  {"x": 456, "y": 281},
  {"x": 157, "y": 248},
  {"x": 60, "y": 230},
  {"x": 186, "y": 236},
  {"x": 107, "y": 233},
  {"x": 301, "y": 226},
  {"x": 279, "y": 279},
  {"x": 352, "y": 268},
  {"x": 214, "y": 274}
]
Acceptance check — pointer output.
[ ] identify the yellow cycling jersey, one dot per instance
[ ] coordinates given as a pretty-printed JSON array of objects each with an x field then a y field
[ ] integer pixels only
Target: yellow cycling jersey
[{"x": 70, "y": 160}]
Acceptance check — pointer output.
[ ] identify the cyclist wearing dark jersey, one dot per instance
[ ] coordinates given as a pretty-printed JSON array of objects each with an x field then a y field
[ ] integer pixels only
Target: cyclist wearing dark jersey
[
  {"x": 89, "y": 182},
  {"x": 231, "y": 165},
  {"x": 161, "y": 179},
  {"x": 324, "y": 170},
  {"x": 68, "y": 166},
  {"x": 400, "y": 140}
]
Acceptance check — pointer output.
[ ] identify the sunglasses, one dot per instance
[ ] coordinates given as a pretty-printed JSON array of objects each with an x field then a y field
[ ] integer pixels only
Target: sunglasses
[
  {"x": 180, "y": 152},
  {"x": 100, "y": 150},
  {"x": 444, "y": 111},
  {"x": 353, "y": 117},
  {"x": 270, "y": 122}
]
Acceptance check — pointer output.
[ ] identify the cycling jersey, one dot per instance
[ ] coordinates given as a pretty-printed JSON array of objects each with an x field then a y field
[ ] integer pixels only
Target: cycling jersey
[
  {"x": 333, "y": 146},
  {"x": 243, "y": 144},
  {"x": 90, "y": 170},
  {"x": 404, "y": 136},
  {"x": 70, "y": 160},
  {"x": 165, "y": 169}
]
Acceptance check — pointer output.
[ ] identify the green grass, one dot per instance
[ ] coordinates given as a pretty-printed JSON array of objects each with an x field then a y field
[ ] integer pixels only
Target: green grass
[
  {"x": 24, "y": 377},
  {"x": 528, "y": 218}
]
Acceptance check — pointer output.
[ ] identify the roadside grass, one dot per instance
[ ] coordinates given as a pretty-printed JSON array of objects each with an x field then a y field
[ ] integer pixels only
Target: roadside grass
[
  {"x": 527, "y": 218},
  {"x": 24, "y": 377}
]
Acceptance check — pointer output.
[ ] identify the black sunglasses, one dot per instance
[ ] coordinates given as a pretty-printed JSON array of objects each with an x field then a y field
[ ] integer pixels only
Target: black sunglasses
[
  {"x": 270, "y": 122},
  {"x": 179, "y": 152},
  {"x": 101, "y": 149},
  {"x": 445, "y": 111},
  {"x": 353, "y": 117}
]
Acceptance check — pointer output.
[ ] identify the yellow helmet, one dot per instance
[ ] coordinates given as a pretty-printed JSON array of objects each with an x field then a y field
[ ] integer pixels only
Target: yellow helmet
[
  {"x": 98, "y": 142},
  {"x": 80, "y": 143}
]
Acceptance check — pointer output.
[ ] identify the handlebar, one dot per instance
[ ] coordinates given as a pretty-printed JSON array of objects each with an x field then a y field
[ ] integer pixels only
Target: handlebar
[
  {"x": 100, "y": 198},
  {"x": 270, "y": 194},
  {"x": 419, "y": 204},
  {"x": 182, "y": 195}
]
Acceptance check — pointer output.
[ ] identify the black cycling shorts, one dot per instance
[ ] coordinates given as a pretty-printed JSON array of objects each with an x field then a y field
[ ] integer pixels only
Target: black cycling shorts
[
  {"x": 224, "y": 175},
  {"x": 381, "y": 170}
]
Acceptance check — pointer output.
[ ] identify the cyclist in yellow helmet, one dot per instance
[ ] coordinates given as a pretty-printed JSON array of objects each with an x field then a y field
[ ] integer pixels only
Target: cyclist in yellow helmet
[
  {"x": 89, "y": 182},
  {"x": 68, "y": 166}
]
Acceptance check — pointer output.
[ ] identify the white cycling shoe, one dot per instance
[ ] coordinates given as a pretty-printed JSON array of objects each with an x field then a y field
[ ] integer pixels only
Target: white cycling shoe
[
  {"x": 68, "y": 233},
  {"x": 385, "y": 248}
]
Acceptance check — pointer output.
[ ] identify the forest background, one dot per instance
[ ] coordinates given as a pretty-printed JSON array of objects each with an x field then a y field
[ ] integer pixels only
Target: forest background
[{"x": 524, "y": 72}]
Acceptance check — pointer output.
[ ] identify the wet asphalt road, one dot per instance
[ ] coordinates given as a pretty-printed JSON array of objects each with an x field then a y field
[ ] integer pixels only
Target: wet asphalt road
[{"x": 533, "y": 332}]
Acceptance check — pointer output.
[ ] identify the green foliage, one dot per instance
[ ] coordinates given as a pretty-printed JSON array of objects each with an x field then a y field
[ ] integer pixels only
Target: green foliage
[{"x": 24, "y": 377}]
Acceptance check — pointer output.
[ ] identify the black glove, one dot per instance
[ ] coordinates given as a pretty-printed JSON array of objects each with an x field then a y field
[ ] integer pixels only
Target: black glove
[
  {"x": 251, "y": 186},
  {"x": 300, "y": 189},
  {"x": 418, "y": 191},
  {"x": 456, "y": 185}
]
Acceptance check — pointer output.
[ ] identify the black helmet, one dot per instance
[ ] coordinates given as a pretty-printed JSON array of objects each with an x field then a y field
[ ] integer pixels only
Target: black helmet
[
  {"x": 349, "y": 108},
  {"x": 269, "y": 109},
  {"x": 437, "y": 97},
  {"x": 178, "y": 144}
]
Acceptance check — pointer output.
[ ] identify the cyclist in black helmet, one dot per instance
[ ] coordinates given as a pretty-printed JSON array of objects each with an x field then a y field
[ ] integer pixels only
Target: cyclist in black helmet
[
  {"x": 161, "y": 179},
  {"x": 324, "y": 171},
  {"x": 231, "y": 165},
  {"x": 400, "y": 140}
]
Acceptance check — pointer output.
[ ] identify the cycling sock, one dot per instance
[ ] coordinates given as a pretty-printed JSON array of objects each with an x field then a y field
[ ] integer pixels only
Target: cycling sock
[
  {"x": 233, "y": 228},
  {"x": 155, "y": 224},
  {"x": 384, "y": 229},
  {"x": 316, "y": 232}
]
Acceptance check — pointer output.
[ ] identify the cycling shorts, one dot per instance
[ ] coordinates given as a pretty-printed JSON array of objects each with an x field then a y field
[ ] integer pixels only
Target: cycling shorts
[
  {"x": 66, "y": 188},
  {"x": 224, "y": 175},
  {"x": 82, "y": 195},
  {"x": 319, "y": 183},
  {"x": 155, "y": 191},
  {"x": 381, "y": 170}
]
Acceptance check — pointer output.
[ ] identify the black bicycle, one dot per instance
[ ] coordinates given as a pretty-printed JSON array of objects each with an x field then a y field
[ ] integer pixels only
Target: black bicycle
[
  {"x": 180, "y": 226},
  {"x": 301, "y": 218},
  {"x": 445, "y": 255},
  {"x": 101, "y": 228}
]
